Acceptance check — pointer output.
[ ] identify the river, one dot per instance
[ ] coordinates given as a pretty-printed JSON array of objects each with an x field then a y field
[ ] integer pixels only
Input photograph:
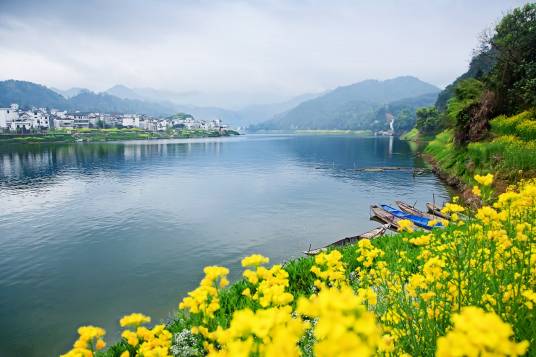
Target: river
[{"x": 90, "y": 232}]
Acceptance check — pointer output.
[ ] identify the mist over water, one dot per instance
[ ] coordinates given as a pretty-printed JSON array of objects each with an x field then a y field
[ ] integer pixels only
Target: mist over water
[{"x": 90, "y": 232}]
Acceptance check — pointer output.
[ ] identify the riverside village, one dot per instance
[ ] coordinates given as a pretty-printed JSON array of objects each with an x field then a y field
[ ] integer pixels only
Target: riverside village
[{"x": 14, "y": 120}]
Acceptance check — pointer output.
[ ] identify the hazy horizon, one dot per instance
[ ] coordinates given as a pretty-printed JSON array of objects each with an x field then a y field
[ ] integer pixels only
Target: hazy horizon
[{"x": 237, "y": 53}]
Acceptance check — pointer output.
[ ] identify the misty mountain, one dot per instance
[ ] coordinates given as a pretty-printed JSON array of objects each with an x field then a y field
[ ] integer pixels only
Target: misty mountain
[
  {"x": 69, "y": 93},
  {"x": 28, "y": 94},
  {"x": 349, "y": 107},
  {"x": 168, "y": 99},
  {"x": 403, "y": 111},
  {"x": 151, "y": 94},
  {"x": 262, "y": 112},
  {"x": 244, "y": 117},
  {"x": 103, "y": 102},
  {"x": 124, "y": 92}
]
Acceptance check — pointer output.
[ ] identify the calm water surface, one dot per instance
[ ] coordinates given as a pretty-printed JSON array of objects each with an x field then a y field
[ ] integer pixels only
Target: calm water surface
[{"x": 89, "y": 232}]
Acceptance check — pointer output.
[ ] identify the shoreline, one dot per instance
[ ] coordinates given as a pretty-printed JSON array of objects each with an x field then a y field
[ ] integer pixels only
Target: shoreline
[
  {"x": 105, "y": 135},
  {"x": 454, "y": 182}
]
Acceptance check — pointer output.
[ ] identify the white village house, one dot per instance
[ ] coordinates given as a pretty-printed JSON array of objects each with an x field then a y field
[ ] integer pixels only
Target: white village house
[
  {"x": 8, "y": 115},
  {"x": 14, "y": 120}
]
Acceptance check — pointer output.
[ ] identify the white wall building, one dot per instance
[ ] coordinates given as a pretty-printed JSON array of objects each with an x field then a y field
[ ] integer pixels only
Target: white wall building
[
  {"x": 23, "y": 123},
  {"x": 7, "y": 115},
  {"x": 80, "y": 120},
  {"x": 40, "y": 119},
  {"x": 131, "y": 121},
  {"x": 63, "y": 123}
]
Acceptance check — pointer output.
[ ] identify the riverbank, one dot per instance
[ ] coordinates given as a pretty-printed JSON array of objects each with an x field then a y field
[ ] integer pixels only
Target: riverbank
[
  {"x": 508, "y": 152},
  {"x": 412, "y": 293},
  {"x": 102, "y": 135},
  {"x": 416, "y": 136}
]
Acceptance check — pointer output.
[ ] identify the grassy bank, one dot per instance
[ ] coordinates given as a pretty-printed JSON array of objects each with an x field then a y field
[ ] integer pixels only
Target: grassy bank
[
  {"x": 509, "y": 152},
  {"x": 468, "y": 289},
  {"x": 415, "y": 135},
  {"x": 101, "y": 135}
]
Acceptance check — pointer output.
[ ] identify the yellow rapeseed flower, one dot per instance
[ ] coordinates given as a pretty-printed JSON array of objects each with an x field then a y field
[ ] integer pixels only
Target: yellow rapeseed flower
[
  {"x": 134, "y": 319},
  {"x": 479, "y": 333},
  {"x": 255, "y": 260},
  {"x": 405, "y": 225},
  {"x": 421, "y": 240},
  {"x": 344, "y": 327},
  {"x": 486, "y": 180}
]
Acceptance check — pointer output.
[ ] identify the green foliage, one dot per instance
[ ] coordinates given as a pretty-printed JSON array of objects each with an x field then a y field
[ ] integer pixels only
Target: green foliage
[
  {"x": 412, "y": 135},
  {"x": 514, "y": 76},
  {"x": 501, "y": 80},
  {"x": 180, "y": 116},
  {"x": 429, "y": 120},
  {"x": 481, "y": 64},
  {"x": 405, "y": 120},
  {"x": 466, "y": 93},
  {"x": 462, "y": 111}
]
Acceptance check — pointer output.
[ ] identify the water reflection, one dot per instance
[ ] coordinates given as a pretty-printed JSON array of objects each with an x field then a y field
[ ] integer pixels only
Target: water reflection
[{"x": 37, "y": 165}]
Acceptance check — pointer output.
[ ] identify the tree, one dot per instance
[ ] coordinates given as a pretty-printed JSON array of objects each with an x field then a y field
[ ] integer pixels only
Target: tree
[
  {"x": 513, "y": 79},
  {"x": 405, "y": 120},
  {"x": 428, "y": 120}
]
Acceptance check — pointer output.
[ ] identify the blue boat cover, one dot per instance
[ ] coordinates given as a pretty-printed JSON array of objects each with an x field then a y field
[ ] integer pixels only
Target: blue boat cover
[{"x": 417, "y": 220}]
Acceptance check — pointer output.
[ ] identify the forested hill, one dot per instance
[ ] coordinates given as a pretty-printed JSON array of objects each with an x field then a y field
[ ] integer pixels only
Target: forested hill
[
  {"x": 351, "y": 107},
  {"x": 28, "y": 94}
]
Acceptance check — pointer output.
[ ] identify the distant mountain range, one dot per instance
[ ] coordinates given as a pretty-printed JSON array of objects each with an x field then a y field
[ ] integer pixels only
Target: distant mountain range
[
  {"x": 354, "y": 106},
  {"x": 118, "y": 99}
]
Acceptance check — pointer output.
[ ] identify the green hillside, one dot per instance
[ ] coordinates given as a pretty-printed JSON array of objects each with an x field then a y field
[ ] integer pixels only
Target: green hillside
[
  {"x": 351, "y": 107},
  {"x": 29, "y": 94}
]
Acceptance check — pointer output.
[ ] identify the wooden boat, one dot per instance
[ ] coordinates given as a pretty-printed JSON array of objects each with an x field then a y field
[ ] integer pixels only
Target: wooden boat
[
  {"x": 412, "y": 210},
  {"x": 378, "y": 214},
  {"x": 436, "y": 211},
  {"x": 376, "y": 232},
  {"x": 416, "y": 220}
]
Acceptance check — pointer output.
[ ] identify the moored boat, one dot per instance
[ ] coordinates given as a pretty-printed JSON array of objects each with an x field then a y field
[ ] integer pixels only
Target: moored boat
[
  {"x": 436, "y": 211},
  {"x": 380, "y": 215},
  {"x": 374, "y": 233},
  {"x": 412, "y": 210},
  {"x": 416, "y": 220}
]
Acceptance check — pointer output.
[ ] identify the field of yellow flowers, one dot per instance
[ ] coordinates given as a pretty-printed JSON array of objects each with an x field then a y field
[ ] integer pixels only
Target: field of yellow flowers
[{"x": 465, "y": 290}]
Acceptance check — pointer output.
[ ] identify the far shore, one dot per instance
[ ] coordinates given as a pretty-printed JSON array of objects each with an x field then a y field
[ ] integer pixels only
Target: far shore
[
  {"x": 317, "y": 132},
  {"x": 104, "y": 135}
]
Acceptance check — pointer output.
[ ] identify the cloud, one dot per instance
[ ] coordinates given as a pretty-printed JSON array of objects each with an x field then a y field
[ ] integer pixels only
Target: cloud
[{"x": 238, "y": 51}]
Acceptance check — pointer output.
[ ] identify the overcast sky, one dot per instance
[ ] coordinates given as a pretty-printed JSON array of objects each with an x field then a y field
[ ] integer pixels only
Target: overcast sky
[{"x": 257, "y": 51}]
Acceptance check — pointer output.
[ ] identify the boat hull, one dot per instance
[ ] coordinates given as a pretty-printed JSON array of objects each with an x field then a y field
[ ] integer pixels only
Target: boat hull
[
  {"x": 376, "y": 232},
  {"x": 412, "y": 210}
]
